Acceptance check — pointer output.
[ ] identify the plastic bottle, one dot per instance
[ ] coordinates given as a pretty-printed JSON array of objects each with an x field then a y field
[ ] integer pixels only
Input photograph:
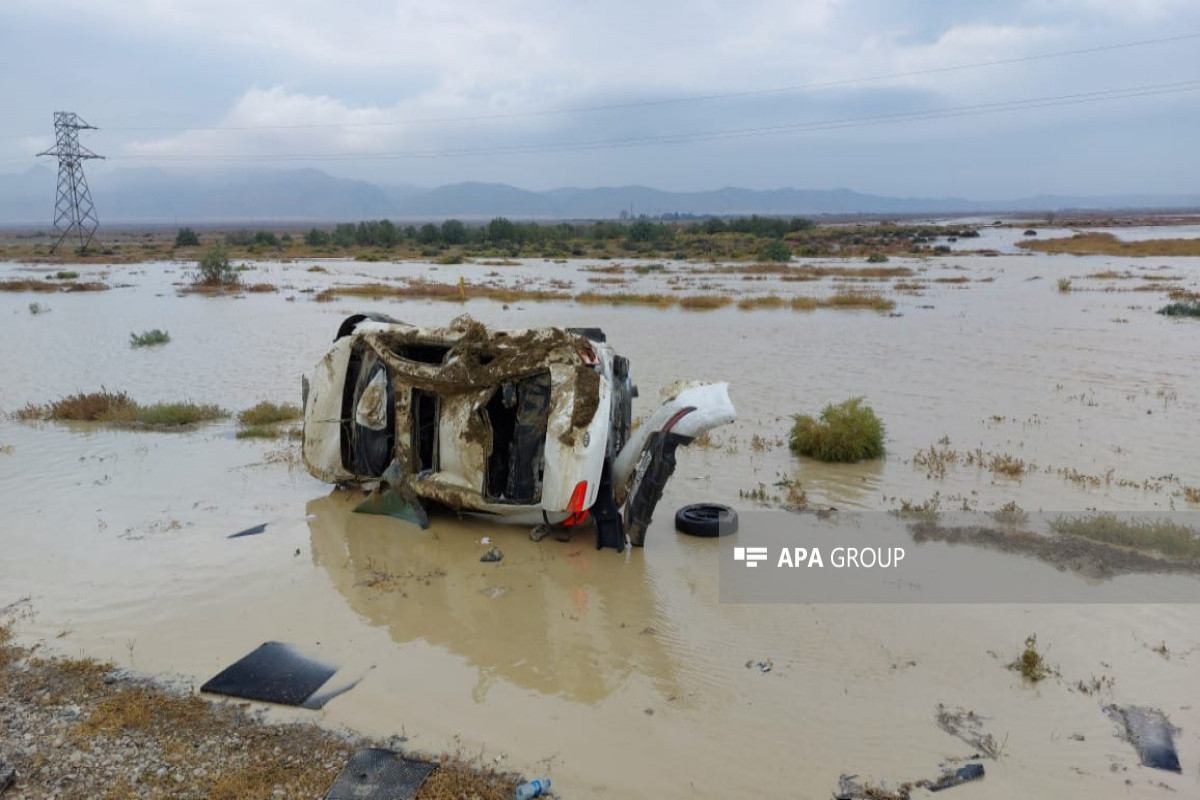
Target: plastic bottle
[{"x": 532, "y": 789}]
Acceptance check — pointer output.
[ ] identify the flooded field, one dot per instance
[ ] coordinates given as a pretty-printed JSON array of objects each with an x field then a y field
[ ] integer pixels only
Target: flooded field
[{"x": 1044, "y": 381}]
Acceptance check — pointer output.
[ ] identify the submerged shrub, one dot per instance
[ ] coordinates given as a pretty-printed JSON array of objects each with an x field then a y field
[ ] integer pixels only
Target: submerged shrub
[
  {"x": 846, "y": 432},
  {"x": 83, "y": 407},
  {"x": 268, "y": 413},
  {"x": 1171, "y": 539},
  {"x": 149, "y": 338},
  {"x": 213, "y": 268},
  {"x": 1189, "y": 309},
  {"x": 118, "y": 408}
]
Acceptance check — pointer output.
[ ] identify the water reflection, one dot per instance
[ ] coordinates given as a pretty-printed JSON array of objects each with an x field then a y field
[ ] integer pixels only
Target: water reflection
[{"x": 552, "y": 617}]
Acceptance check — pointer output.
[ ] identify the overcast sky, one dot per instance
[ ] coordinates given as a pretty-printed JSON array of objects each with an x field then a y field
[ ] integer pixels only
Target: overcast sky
[{"x": 678, "y": 95}]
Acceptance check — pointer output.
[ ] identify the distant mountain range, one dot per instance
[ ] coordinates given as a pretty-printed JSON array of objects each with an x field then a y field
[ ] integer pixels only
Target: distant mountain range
[{"x": 126, "y": 196}]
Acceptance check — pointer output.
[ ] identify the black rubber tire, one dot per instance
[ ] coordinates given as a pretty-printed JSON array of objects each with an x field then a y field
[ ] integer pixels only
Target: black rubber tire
[{"x": 706, "y": 519}]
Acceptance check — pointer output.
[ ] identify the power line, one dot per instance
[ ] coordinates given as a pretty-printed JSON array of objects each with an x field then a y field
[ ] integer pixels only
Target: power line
[
  {"x": 698, "y": 98},
  {"x": 697, "y": 136}
]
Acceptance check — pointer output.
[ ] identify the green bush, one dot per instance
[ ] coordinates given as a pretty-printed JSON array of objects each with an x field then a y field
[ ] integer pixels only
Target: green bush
[
  {"x": 267, "y": 238},
  {"x": 317, "y": 238},
  {"x": 877, "y": 258},
  {"x": 775, "y": 250},
  {"x": 846, "y": 432},
  {"x": 213, "y": 268},
  {"x": 268, "y": 413},
  {"x": 186, "y": 238}
]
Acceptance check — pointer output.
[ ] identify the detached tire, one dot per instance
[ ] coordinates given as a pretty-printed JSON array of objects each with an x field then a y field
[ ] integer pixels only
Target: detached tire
[{"x": 706, "y": 519}]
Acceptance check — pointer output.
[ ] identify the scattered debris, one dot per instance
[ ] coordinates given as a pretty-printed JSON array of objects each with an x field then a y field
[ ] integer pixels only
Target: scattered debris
[
  {"x": 763, "y": 666},
  {"x": 7, "y": 776},
  {"x": 492, "y": 555},
  {"x": 273, "y": 673},
  {"x": 968, "y": 726},
  {"x": 373, "y": 773},
  {"x": 532, "y": 789},
  {"x": 967, "y": 772},
  {"x": 540, "y": 532},
  {"x": 1150, "y": 733},
  {"x": 257, "y": 529},
  {"x": 393, "y": 497},
  {"x": 850, "y": 789}
]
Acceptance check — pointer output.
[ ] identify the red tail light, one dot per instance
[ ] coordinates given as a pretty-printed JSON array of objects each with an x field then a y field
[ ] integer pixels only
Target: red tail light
[{"x": 578, "y": 512}]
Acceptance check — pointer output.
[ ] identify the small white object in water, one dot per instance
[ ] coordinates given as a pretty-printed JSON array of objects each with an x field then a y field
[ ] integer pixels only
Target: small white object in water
[{"x": 485, "y": 540}]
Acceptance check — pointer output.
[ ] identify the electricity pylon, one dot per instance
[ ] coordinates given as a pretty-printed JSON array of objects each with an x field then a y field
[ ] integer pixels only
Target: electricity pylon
[{"x": 74, "y": 211}]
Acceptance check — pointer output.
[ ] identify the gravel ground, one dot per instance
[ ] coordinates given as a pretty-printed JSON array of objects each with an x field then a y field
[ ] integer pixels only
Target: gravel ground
[{"x": 82, "y": 729}]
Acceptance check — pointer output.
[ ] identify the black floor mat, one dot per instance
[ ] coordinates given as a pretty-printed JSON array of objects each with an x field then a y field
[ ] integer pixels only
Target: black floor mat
[
  {"x": 274, "y": 673},
  {"x": 376, "y": 774}
]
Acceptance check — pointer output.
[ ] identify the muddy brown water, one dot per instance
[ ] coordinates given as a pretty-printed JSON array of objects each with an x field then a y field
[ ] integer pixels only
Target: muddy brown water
[{"x": 623, "y": 675}]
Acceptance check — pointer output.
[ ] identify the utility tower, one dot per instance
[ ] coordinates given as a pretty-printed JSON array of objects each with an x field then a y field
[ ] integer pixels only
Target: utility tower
[{"x": 74, "y": 212}]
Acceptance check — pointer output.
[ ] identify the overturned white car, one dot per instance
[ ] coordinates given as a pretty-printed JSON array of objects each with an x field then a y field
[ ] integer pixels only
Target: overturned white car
[{"x": 530, "y": 426}]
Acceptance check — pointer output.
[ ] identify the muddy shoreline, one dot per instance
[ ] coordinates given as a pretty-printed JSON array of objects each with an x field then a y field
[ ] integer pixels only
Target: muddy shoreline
[{"x": 82, "y": 729}]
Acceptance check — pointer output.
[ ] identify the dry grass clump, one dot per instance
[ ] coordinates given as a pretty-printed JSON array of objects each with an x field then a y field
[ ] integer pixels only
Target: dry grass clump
[
  {"x": 1007, "y": 465},
  {"x": 1010, "y": 514},
  {"x": 769, "y": 301},
  {"x": 457, "y": 778},
  {"x": 268, "y": 413},
  {"x": 1105, "y": 244},
  {"x": 812, "y": 272},
  {"x": 803, "y": 303},
  {"x": 139, "y": 708},
  {"x": 27, "y": 285},
  {"x": 704, "y": 302},
  {"x": 1031, "y": 663},
  {"x": 846, "y": 432},
  {"x": 626, "y": 299},
  {"x": 1064, "y": 285},
  {"x": 262, "y": 288},
  {"x": 431, "y": 290},
  {"x": 954, "y": 279},
  {"x": 858, "y": 298},
  {"x": 117, "y": 408},
  {"x": 264, "y": 420},
  {"x": 1165, "y": 537},
  {"x": 82, "y": 407}
]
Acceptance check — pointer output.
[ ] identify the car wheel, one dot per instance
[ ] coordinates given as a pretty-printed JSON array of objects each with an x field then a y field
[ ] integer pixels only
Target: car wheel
[{"x": 706, "y": 519}]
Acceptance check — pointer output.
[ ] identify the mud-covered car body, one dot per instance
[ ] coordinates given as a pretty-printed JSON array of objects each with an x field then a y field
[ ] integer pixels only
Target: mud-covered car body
[{"x": 529, "y": 425}]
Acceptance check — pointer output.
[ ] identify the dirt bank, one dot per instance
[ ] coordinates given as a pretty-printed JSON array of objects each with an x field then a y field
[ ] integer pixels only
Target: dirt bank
[{"x": 83, "y": 729}]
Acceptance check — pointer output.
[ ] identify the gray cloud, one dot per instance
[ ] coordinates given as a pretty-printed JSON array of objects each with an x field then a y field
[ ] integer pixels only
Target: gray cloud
[{"x": 188, "y": 85}]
